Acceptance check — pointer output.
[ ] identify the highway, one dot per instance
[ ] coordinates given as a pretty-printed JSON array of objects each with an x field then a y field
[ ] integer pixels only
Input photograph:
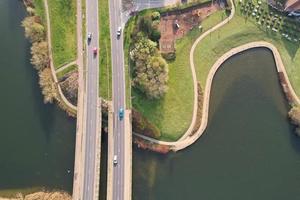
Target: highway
[
  {"x": 118, "y": 72},
  {"x": 92, "y": 74}
]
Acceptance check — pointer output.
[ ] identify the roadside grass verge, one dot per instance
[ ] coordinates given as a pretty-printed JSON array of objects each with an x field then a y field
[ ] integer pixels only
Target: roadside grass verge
[
  {"x": 62, "y": 73},
  {"x": 240, "y": 31},
  {"x": 105, "y": 72},
  {"x": 173, "y": 113},
  {"x": 63, "y": 31}
]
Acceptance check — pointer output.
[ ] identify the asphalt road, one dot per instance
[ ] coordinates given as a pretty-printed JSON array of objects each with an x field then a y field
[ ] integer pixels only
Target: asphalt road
[
  {"x": 118, "y": 72},
  {"x": 91, "y": 101}
]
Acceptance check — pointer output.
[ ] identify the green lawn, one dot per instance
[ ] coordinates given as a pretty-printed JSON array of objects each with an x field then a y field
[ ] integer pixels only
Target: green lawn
[
  {"x": 40, "y": 10},
  {"x": 105, "y": 51},
  {"x": 65, "y": 71},
  {"x": 173, "y": 114},
  {"x": 63, "y": 31},
  {"x": 240, "y": 31}
]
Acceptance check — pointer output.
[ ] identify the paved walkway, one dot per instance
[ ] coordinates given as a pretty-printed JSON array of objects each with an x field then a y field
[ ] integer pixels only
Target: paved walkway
[
  {"x": 186, "y": 136},
  {"x": 64, "y": 99},
  {"x": 66, "y": 66},
  {"x": 186, "y": 140}
]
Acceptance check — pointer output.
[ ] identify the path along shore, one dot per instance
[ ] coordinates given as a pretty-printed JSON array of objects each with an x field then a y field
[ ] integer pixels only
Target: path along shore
[{"x": 188, "y": 138}]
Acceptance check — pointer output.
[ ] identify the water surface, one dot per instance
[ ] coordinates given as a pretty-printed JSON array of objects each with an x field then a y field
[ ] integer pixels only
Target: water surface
[
  {"x": 247, "y": 152},
  {"x": 37, "y": 141}
]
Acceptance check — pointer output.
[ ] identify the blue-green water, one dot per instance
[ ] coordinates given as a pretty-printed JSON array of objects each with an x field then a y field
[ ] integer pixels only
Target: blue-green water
[
  {"x": 37, "y": 141},
  {"x": 248, "y": 151}
]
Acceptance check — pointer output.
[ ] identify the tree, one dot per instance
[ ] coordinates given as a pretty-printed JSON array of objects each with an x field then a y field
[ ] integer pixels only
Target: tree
[
  {"x": 33, "y": 30},
  {"x": 150, "y": 69},
  {"x": 47, "y": 85},
  {"x": 40, "y": 56}
]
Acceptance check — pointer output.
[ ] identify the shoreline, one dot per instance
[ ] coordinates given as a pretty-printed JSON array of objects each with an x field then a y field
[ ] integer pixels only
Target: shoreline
[
  {"x": 287, "y": 88},
  {"x": 45, "y": 195}
]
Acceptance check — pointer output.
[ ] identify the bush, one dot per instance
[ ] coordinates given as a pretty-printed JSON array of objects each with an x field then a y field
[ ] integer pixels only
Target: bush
[
  {"x": 169, "y": 56},
  {"x": 155, "y": 15},
  {"x": 33, "y": 29},
  {"x": 47, "y": 85},
  {"x": 294, "y": 115},
  {"x": 40, "y": 56},
  {"x": 142, "y": 126}
]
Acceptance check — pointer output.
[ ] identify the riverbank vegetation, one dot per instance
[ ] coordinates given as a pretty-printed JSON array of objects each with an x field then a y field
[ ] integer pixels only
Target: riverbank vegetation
[
  {"x": 105, "y": 82},
  {"x": 40, "y": 196},
  {"x": 63, "y": 31},
  {"x": 172, "y": 113},
  {"x": 35, "y": 32},
  {"x": 294, "y": 115}
]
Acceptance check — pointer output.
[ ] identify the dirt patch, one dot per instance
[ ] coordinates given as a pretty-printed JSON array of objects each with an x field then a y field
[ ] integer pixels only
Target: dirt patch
[{"x": 176, "y": 24}]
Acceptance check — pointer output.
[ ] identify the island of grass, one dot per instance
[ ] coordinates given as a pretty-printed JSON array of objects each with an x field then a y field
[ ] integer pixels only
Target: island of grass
[
  {"x": 105, "y": 82},
  {"x": 63, "y": 31},
  {"x": 172, "y": 114}
]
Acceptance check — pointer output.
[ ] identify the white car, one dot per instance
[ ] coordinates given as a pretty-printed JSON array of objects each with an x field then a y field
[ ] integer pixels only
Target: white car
[
  {"x": 119, "y": 31},
  {"x": 115, "y": 160}
]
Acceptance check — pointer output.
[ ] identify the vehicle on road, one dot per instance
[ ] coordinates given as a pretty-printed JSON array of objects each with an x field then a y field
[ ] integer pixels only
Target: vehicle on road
[
  {"x": 119, "y": 31},
  {"x": 89, "y": 37},
  {"x": 121, "y": 113},
  {"x": 115, "y": 160},
  {"x": 95, "y": 51}
]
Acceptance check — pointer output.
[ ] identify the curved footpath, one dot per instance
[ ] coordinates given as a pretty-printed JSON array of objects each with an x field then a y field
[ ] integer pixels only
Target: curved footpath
[
  {"x": 187, "y": 139},
  {"x": 61, "y": 94}
]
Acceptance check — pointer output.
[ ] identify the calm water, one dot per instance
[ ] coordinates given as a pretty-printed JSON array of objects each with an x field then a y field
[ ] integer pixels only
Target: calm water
[
  {"x": 248, "y": 151},
  {"x": 37, "y": 141}
]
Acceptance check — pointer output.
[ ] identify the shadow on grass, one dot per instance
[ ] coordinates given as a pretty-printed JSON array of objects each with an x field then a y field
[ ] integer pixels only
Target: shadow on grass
[{"x": 151, "y": 109}]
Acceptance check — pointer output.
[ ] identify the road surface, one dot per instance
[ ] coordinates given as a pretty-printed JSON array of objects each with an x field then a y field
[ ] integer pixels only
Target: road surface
[
  {"x": 115, "y": 8},
  {"x": 90, "y": 158}
]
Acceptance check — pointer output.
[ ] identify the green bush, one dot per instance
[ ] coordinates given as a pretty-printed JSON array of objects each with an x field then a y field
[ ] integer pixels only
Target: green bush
[{"x": 169, "y": 56}]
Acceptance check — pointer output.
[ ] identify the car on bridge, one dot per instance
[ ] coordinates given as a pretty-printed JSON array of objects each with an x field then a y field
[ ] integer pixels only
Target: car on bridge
[
  {"x": 119, "y": 31},
  {"x": 95, "y": 51},
  {"x": 121, "y": 113},
  {"x": 89, "y": 37},
  {"x": 115, "y": 160}
]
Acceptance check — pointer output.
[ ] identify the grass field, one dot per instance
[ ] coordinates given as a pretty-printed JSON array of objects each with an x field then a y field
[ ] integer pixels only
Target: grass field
[
  {"x": 39, "y": 9},
  {"x": 173, "y": 114},
  {"x": 105, "y": 51},
  {"x": 63, "y": 31},
  {"x": 65, "y": 71},
  {"x": 240, "y": 31}
]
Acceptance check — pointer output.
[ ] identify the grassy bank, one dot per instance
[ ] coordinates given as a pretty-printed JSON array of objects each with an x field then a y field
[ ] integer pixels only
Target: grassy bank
[
  {"x": 241, "y": 30},
  {"x": 65, "y": 71},
  {"x": 173, "y": 113},
  {"x": 40, "y": 9},
  {"x": 105, "y": 71},
  {"x": 63, "y": 30}
]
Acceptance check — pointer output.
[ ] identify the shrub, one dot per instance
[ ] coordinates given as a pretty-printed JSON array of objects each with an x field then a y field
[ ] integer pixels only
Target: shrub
[
  {"x": 155, "y": 15},
  {"x": 294, "y": 115},
  {"x": 47, "y": 85},
  {"x": 142, "y": 126},
  {"x": 169, "y": 56},
  {"x": 40, "y": 56},
  {"x": 33, "y": 30}
]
